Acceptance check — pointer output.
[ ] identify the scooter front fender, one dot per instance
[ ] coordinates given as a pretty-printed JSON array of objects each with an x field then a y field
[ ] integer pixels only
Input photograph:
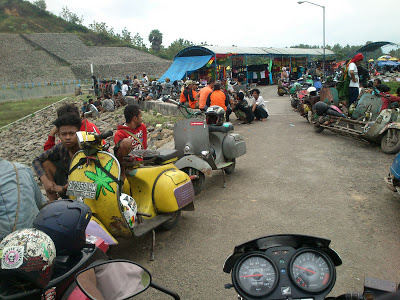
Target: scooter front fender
[
  {"x": 193, "y": 161},
  {"x": 390, "y": 126},
  {"x": 97, "y": 229}
]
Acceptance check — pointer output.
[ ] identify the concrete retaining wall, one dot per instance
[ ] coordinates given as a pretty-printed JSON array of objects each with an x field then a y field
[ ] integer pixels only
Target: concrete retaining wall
[
  {"x": 36, "y": 92},
  {"x": 166, "y": 109}
]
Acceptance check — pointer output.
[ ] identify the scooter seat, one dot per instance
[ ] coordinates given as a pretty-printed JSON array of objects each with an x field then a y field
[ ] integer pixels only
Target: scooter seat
[
  {"x": 224, "y": 128},
  {"x": 167, "y": 156},
  {"x": 161, "y": 156}
]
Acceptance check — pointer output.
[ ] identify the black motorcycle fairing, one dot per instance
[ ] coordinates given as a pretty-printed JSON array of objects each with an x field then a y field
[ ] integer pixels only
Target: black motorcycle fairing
[{"x": 295, "y": 241}]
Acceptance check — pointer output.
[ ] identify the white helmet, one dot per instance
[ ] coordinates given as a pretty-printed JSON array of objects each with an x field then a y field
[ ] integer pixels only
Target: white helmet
[
  {"x": 215, "y": 115},
  {"x": 311, "y": 89},
  {"x": 129, "y": 209}
]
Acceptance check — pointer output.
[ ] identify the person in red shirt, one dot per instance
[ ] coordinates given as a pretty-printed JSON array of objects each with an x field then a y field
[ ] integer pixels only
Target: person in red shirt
[
  {"x": 66, "y": 109},
  {"x": 132, "y": 135}
]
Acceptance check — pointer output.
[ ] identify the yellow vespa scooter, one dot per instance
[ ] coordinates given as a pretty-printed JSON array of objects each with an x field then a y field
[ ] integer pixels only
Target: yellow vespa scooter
[{"x": 153, "y": 195}]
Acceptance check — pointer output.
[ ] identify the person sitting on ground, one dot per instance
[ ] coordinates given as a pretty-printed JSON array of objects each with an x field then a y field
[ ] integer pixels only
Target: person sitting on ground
[
  {"x": 166, "y": 88},
  {"x": 66, "y": 109},
  {"x": 87, "y": 107},
  {"x": 108, "y": 103},
  {"x": 120, "y": 100},
  {"x": 188, "y": 94},
  {"x": 218, "y": 97},
  {"x": 52, "y": 166},
  {"x": 242, "y": 109},
  {"x": 259, "y": 108},
  {"x": 117, "y": 88},
  {"x": 20, "y": 197},
  {"x": 136, "y": 85},
  {"x": 386, "y": 98},
  {"x": 132, "y": 135},
  {"x": 204, "y": 92},
  {"x": 125, "y": 88},
  {"x": 98, "y": 104}
]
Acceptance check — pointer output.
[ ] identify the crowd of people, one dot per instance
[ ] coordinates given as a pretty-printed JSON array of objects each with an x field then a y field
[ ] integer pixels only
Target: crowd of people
[{"x": 246, "y": 108}]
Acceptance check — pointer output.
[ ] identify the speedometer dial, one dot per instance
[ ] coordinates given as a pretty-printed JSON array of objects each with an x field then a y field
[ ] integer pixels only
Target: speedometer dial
[
  {"x": 256, "y": 275},
  {"x": 312, "y": 271}
]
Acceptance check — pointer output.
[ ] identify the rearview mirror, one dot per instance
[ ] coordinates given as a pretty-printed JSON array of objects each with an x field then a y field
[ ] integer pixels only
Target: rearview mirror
[{"x": 115, "y": 279}]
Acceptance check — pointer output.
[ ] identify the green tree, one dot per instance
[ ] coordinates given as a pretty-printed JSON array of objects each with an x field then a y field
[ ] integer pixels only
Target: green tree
[
  {"x": 41, "y": 4},
  {"x": 138, "y": 42},
  {"x": 126, "y": 36},
  {"x": 155, "y": 39},
  {"x": 176, "y": 46},
  {"x": 71, "y": 17}
]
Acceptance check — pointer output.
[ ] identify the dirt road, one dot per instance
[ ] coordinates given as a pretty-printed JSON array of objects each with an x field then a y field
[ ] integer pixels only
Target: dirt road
[{"x": 291, "y": 180}]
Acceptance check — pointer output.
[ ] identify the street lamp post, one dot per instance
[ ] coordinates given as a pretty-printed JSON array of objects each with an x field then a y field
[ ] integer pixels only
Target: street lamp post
[{"x": 323, "y": 31}]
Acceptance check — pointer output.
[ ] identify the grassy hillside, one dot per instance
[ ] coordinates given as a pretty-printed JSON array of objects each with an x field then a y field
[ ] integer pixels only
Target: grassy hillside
[{"x": 18, "y": 16}]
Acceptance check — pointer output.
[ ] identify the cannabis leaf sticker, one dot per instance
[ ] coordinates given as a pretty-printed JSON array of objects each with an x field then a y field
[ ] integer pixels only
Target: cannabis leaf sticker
[{"x": 102, "y": 179}]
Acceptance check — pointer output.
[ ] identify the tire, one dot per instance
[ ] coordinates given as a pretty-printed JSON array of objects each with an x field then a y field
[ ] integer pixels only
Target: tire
[
  {"x": 281, "y": 92},
  {"x": 231, "y": 168},
  {"x": 198, "y": 184},
  {"x": 173, "y": 221},
  {"x": 309, "y": 116},
  {"x": 390, "y": 143},
  {"x": 318, "y": 128}
]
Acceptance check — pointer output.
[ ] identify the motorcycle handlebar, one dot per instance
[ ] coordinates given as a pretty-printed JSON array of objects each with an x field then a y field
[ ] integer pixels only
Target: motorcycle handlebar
[{"x": 104, "y": 135}]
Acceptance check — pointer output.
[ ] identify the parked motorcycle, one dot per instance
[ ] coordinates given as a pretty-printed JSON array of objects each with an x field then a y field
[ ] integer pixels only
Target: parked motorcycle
[
  {"x": 116, "y": 279},
  {"x": 384, "y": 130},
  {"x": 393, "y": 179},
  {"x": 153, "y": 195},
  {"x": 291, "y": 266},
  {"x": 204, "y": 147}
]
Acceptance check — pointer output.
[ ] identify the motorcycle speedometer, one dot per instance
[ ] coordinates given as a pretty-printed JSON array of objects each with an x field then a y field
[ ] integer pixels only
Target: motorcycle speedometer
[
  {"x": 255, "y": 275},
  {"x": 312, "y": 271}
]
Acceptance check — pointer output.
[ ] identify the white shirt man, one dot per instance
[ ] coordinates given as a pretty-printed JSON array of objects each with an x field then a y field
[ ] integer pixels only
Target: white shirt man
[
  {"x": 353, "y": 67},
  {"x": 124, "y": 89}
]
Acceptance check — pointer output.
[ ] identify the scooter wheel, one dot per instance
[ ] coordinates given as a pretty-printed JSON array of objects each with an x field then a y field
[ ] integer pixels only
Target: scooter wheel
[
  {"x": 231, "y": 168},
  {"x": 173, "y": 221},
  {"x": 390, "y": 143},
  {"x": 318, "y": 128},
  {"x": 198, "y": 183}
]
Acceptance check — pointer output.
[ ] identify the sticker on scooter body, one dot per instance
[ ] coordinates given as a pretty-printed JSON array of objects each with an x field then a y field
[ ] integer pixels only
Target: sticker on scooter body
[
  {"x": 82, "y": 190},
  {"x": 196, "y": 123}
]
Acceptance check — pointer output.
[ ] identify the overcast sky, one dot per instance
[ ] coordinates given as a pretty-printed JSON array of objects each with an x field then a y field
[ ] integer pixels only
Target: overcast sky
[{"x": 266, "y": 23}]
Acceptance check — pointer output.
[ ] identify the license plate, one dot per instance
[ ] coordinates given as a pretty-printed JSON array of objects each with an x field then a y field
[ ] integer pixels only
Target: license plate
[{"x": 82, "y": 190}]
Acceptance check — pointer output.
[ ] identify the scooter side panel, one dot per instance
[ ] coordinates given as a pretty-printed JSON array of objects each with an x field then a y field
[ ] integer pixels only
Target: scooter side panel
[
  {"x": 192, "y": 134},
  {"x": 365, "y": 101},
  {"x": 383, "y": 119},
  {"x": 106, "y": 205},
  {"x": 233, "y": 146},
  {"x": 153, "y": 188}
]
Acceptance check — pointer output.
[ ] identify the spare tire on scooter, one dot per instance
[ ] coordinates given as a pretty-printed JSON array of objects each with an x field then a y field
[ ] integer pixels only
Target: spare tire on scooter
[
  {"x": 333, "y": 112},
  {"x": 320, "y": 108}
]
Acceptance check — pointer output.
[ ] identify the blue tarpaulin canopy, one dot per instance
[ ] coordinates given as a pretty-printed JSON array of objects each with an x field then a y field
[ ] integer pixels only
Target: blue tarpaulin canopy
[
  {"x": 184, "y": 65},
  {"x": 391, "y": 63}
]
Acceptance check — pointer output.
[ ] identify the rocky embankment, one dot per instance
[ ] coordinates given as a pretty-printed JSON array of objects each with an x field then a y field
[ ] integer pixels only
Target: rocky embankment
[{"x": 24, "y": 140}]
